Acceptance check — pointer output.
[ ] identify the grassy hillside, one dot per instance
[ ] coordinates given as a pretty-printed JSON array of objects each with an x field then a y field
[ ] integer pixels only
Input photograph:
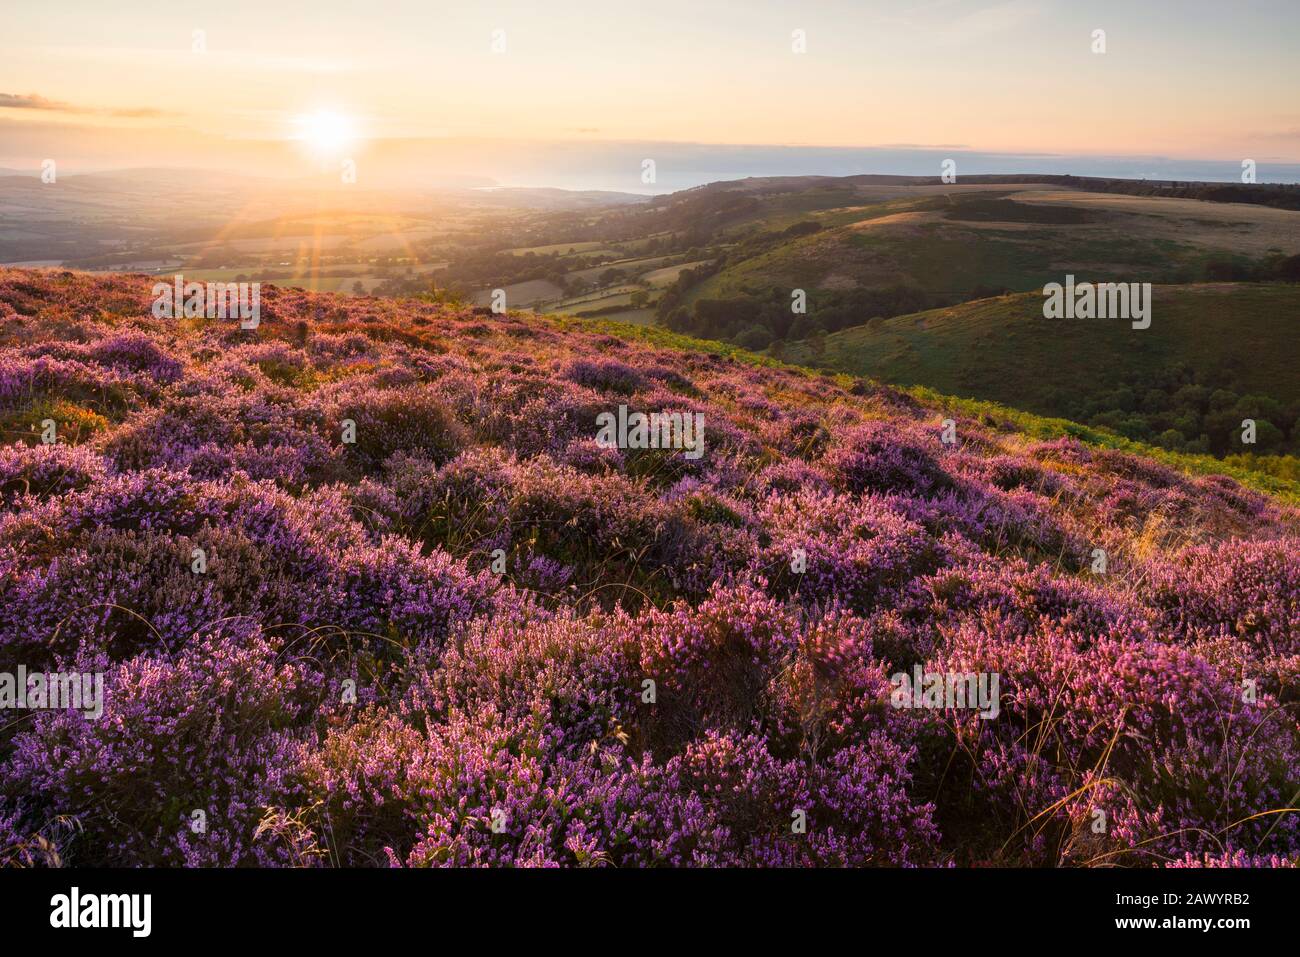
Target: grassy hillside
[
  {"x": 1221, "y": 339},
  {"x": 954, "y": 244},
  {"x": 918, "y": 248},
  {"x": 439, "y": 622}
]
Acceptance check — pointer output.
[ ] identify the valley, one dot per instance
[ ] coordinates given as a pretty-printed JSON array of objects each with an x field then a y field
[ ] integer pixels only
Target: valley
[{"x": 904, "y": 279}]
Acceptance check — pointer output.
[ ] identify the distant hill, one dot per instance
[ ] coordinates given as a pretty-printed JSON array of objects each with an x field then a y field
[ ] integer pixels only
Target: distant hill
[
  {"x": 1214, "y": 353},
  {"x": 960, "y": 241},
  {"x": 859, "y": 250},
  {"x": 1278, "y": 195},
  {"x": 549, "y": 198}
]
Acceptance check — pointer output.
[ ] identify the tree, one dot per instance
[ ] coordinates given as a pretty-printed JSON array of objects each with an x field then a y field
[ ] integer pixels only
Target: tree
[{"x": 754, "y": 338}]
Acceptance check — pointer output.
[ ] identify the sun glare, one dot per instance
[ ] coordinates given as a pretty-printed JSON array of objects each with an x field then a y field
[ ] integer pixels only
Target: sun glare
[{"x": 325, "y": 132}]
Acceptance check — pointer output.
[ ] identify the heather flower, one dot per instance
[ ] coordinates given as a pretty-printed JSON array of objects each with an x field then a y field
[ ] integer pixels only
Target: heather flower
[
  {"x": 476, "y": 637},
  {"x": 204, "y": 732},
  {"x": 880, "y": 456}
]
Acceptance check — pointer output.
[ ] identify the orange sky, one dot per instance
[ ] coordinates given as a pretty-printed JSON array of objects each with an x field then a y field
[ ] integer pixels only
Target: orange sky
[{"x": 1186, "y": 79}]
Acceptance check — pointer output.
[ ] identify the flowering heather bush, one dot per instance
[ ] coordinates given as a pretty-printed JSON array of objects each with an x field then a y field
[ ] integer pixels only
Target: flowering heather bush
[
  {"x": 205, "y": 731},
  {"x": 365, "y": 590}
]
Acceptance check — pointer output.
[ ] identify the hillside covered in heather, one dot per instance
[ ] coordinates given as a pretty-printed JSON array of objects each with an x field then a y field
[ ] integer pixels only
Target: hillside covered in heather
[{"x": 350, "y": 681}]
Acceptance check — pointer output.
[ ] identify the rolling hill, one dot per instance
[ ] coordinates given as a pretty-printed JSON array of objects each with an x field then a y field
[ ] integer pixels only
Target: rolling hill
[
  {"x": 1207, "y": 344},
  {"x": 365, "y": 587},
  {"x": 960, "y": 240}
]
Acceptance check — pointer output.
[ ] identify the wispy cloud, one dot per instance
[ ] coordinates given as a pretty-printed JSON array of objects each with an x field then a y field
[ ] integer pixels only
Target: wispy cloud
[
  {"x": 964, "y": 21},
  {"x": 137, "y": 112},
  {"x": 924, "y": 146},
  {"x": 31, "y": 101},
  {"x": 218, "y": 58},
  {"x": 997, "y": 18}
]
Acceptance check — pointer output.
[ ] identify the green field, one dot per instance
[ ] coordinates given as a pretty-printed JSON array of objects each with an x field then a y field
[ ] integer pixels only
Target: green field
[
  {"x": 519, "y": 295},
  {"x": 964, "y": 243},
  {"x": 634, "y": 317},
  {"x": 666, "y": 275},
  {"x": 1226, "y": 335},
  {"x": 631, "y": 266},
  {"x": 313, "y": 283},
  {"x": 563, "y": 249}
]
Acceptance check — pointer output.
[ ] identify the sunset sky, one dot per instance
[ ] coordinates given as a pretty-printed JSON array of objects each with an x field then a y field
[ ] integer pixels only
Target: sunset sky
[{"x": 119, "y": 84}]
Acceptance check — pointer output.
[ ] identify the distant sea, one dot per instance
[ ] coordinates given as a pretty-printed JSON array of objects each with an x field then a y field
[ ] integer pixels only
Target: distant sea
[
  {"x": 621, "y": 166},
  {"x": 618, "y": 166}
]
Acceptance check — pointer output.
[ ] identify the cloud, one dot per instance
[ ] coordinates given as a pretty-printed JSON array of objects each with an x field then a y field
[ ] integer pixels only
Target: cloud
[
  {"x": 17, "y": 101},
  {"x": 241, "y": 60},
  {"x": 994, "y": 19},
  {"x": 140, "y": 112},
  {"x": 31, "y": 101},
  {"x": 958, "y": 22},
  {"x": 924, "y": 146}
]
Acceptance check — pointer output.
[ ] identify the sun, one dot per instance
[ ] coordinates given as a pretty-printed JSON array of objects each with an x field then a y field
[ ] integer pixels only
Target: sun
[{"x": 325, "y": 132}]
